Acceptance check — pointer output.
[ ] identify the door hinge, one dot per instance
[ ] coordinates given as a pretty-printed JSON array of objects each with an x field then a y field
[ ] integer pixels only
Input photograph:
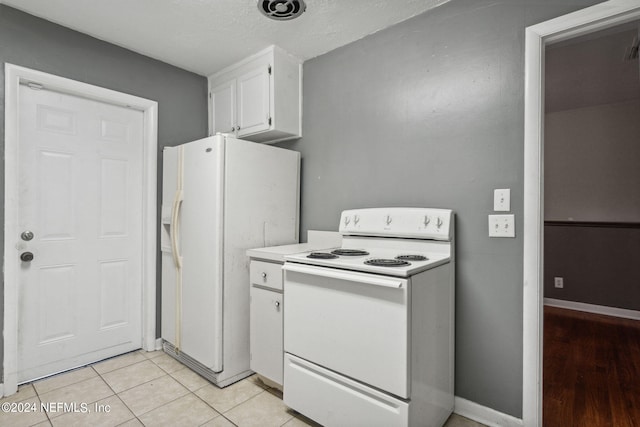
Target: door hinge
[
  {"x": 209, "y": 95},
  {"x": 269, "y": 69},
  {"x": 269, "y": 121}
]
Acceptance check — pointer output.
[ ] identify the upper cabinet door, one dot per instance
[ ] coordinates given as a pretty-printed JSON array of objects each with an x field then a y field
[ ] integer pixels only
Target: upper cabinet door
[
  {"x": 223, "y": 103},
  {"x": 253, "y": 101}
]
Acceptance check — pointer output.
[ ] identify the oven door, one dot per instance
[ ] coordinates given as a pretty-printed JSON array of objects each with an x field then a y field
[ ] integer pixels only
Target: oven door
[{"x": 353, "y": 323}]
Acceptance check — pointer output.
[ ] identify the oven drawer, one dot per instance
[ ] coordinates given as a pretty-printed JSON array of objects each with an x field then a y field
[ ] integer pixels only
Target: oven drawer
[
  {"x": 333, "y": 400},
  {"x": 353, "y": 323}
]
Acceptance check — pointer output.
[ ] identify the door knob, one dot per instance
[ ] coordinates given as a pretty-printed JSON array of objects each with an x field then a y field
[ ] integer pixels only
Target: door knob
[
  {"x": 27, "y": 235},
  {"x": 26, "y": 256}
]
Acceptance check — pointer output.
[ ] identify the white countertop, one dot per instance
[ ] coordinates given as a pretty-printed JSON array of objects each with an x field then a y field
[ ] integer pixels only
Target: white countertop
[{"x": 316, "y": 240}]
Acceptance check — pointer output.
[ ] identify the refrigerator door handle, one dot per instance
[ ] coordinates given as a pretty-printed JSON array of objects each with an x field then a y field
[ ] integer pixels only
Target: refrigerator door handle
[{"x": 175, "y": 216}]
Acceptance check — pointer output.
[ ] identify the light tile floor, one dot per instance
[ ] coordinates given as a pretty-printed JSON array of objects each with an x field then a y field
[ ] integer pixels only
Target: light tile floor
[{"x": 150, "y": 389}]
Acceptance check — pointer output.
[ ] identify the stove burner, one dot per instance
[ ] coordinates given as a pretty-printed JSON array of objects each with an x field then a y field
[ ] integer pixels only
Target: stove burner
[
  {"x": 349, "y": 252},
  {"x": 412, "y": 257},
  {"x": 382, "y": 262},
  {"x": 321, "y": 255}
]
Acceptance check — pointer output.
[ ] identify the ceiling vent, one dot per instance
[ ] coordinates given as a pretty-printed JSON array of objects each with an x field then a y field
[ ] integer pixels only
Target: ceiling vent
[{"x": 282, "y": 10}]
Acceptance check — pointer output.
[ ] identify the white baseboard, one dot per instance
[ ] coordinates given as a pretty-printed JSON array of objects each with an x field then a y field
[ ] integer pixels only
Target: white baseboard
[
  {"x": 159, "y": 344},
  {"x": 2, "y": 390},
  {"x": 592, "y": 308},
  {"x": 484, "y": 415}
]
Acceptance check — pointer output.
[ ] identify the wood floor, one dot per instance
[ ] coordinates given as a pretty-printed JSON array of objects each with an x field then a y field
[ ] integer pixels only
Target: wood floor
[{"x": 591, "y": 370}]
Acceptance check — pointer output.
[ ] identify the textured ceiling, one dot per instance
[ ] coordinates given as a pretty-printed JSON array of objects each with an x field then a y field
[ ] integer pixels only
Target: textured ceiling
[{"x": 204, "y": 36}]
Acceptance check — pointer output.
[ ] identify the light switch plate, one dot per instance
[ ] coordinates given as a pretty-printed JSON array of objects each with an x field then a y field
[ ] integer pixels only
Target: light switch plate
[
  {"x": 502, "y": 226},
  {"x": 502, "y": 200}
]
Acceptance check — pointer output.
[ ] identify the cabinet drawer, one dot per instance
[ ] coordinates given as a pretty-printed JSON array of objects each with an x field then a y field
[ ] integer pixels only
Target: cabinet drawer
[{"x": 266, "y": 274}]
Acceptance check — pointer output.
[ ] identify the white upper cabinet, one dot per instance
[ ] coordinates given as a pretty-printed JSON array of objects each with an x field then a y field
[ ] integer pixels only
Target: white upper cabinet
[{"x": 258, "y": 99}]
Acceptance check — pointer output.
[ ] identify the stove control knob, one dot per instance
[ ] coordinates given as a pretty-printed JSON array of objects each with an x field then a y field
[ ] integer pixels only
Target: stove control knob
[
  {"x": 388, "y": 220},
  {"x": 356, "y": 219},
  {"x": 439, "y": 222},
  {"x": 427, "y": 220},
  {"x": 347, "y": 220}
]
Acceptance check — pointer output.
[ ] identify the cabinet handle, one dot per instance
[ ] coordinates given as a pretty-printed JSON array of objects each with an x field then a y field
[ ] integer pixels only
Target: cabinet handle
[
  {"x": 264, "y": 276},
  {"x": 233, "y": 129},
  {"x": 238, "y": 128},
  {"x": 277, "y": 304}
]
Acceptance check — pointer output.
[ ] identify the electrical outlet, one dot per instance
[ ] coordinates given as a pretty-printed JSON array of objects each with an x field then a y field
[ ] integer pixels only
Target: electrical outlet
[
  {"x": 558, "y": 282},
  {"x": 502, "y": 226}
]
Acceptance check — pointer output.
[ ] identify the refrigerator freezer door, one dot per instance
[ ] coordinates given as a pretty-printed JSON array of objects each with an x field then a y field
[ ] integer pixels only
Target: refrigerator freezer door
[
  {"x": 192, "y": 303},
  {"x": 169, "y": 186}
]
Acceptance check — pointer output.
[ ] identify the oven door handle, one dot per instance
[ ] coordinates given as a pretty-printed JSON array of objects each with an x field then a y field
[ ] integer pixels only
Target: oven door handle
[{"x": 344, "y": 275}]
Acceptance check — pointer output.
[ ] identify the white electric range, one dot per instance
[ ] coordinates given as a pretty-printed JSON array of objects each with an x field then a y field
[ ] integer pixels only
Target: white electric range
[{"x": 369, "y": 326}]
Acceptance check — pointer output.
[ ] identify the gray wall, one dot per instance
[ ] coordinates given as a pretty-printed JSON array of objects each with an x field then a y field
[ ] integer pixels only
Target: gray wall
[
  {"x": 430, "y": 113},
  {"x": 34, "y": 43},
  {"x": 591, "y": 158},
  {"x": 599, "y": 264}
]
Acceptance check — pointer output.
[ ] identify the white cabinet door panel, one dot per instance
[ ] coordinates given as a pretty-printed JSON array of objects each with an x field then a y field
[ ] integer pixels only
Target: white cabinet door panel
[
  {"x": 253, "y": 101},
  {"x": 223, "y": 102},
  {"x": 266, "y": 333}
]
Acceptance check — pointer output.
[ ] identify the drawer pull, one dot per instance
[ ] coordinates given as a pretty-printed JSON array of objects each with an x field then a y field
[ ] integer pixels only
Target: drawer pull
[{"x": 264, "y": 276}]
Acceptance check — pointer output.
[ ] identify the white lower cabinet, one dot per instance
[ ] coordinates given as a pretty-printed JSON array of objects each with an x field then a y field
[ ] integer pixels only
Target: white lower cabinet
[
  {"x": 266, "y": 320},
  {"x": 334, "y": 400}
]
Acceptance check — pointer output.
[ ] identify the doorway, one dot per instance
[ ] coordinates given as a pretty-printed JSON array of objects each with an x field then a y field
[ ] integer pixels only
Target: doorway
[
  {"x": 84, "y": 177},
  {"x": 599, "y": 17},
  {"x": 591, "y": 228}
]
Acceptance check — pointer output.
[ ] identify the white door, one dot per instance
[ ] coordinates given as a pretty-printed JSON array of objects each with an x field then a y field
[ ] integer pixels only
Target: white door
[
  {"x": 253, "y": 101},
  {"x": 80, "y": 194}
]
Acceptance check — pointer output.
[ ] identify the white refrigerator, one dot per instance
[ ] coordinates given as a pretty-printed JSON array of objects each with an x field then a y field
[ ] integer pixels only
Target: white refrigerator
[{"x": 220, "y": 197}]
